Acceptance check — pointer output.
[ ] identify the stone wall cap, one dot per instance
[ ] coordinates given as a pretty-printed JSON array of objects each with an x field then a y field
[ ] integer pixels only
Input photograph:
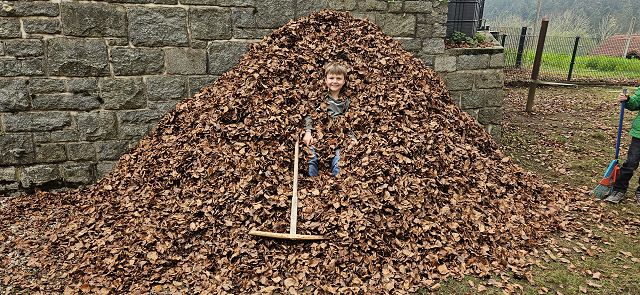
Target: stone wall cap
[{"x": 475, "y": 51}]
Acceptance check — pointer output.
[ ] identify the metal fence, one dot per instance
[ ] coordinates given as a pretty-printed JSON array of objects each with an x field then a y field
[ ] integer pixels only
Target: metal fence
[{"x": 615, "y": 59}]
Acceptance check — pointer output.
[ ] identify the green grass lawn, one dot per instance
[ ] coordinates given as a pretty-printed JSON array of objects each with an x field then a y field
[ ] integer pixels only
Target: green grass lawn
[
  {"x": 586, "y": 66},
  {"x": 568, "y": 141}
]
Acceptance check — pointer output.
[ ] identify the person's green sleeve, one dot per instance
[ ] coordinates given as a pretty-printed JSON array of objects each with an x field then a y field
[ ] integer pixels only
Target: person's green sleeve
[{"x": 633, "y": 104}]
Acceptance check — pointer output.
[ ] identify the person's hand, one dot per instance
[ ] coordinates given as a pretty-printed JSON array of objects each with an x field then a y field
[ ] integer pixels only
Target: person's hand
[
  {"x": 622, "y": 97},
  {"x": 307, "y": 139}
]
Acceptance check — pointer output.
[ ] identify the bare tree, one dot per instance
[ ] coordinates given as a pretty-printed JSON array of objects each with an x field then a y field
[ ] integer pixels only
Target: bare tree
[
  {"x": 607, "y": 27},
  {"x": 569, "y": 23}
]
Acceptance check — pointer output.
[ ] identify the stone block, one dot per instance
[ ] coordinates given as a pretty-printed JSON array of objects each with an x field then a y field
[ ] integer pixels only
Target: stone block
[
  {"x": 410, "y": 44},
  {"x": 495, "y": 97},
  {"x": 439, "y": 31},
  {"x": 223, "y": 55},
  {"x": 304, "y": 8},
  {"x": 186, "y": 61},
  {"x": 111, "y": 150},
  {"x": 24, "y": 47},
  {"x": 41, "y": 137},
  {"x": 104, "y": 167},
  {"x": 459, "y": 80},
  {"x": 65, "y": 135},
  {"x": 274, "y": 13},
  {"x": 11, "y": 67},
  {"x": 158, "y": 26},
  {"x": 81, "y": 151},
  {"x": 117, "y": 41},
  {"x": 138, "y": 117},
  {"x": 473, "y": 113},
  {"x": 397, "y": 25},
  {"x": 1, "y": 48},
  {"x": 65, "y": 101},
  {"x": 82, "y": 85},
  {"x": 418, "y": 6},
  {"x": 10, "y": 28},
  {"x": 473, "y": 62},
  {"x": 243, "y": 17},
  {"x": 122, "y": 93},
  {"x": 41, "y": 25},
  {"x": 46, "y": 85},
  {"x": 77, "y": 57},
  {"x": 16, "y": 149},
  {"x": 372, "y": 5},
  {"x": 93, "y": 19},
  {"x": 428, "y": 59},
  {"x": 197, "y": 83},
  {"x": 137, "y": 61},
  {"x": 395, "y": 6},
  {"x": 490, "y": 78},
  {"x": 166, "y": 87},
  {"x": 80, "y": 173},
  {"x": 29, "y": 8},
  {"x": 166, "y": 2},
  {"x": 250, "y": 33},
  {"x": 213, "y": 23},
  {"x": 456, "y": 96},
  {"x": 473, "y": 99},
  {"x": 163, "y": 106},
  {"x": 50, "y": 153},
  {"x": 133, "y": 132},
  {"x": 424, "y": 31},
  {"x": 32, "y": 67},
  {"x": 497, "y": 61},
  {"x": 8, "y": 174},
  {"x": 343, "y": 4},
  {"x": 97, "y": 125},
  {"x": 445, "y": 63},
  {"x": 432, "y": 46},
  {"x": 199, "y": 2},
  {"x": 245, "y": 3},
  {"x": 490, "y": 116},
  {"x": 13, "y": 95},
  {"x": 39, "y": 175},
  {"x": 41, "y": 121}
]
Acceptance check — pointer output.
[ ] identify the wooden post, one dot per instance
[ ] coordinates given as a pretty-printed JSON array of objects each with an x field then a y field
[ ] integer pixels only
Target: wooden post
[
  {"x": 535, "y": 73},
  {"x": 573, "y": 58}
]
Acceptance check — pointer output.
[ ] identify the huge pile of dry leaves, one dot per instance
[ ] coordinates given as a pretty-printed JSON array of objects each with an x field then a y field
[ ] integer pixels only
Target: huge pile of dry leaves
[{"x": 424, "y": 193}]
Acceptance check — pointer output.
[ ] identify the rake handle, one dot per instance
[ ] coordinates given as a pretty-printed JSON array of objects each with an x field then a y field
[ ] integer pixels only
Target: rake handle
[{"x": 622, "y": 105}]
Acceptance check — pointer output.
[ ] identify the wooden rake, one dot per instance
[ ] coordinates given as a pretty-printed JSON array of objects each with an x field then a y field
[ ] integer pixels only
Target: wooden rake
[{"x": 292, "y": 235}]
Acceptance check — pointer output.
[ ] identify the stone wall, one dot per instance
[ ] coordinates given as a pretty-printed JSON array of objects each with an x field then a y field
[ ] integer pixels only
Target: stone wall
[
  {"x": 475, "y": 79},
  {"x": 82, "y": 81}
]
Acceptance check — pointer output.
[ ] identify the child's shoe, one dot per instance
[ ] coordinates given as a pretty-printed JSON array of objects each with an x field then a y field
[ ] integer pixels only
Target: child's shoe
[{"x": 615, "y": 197}]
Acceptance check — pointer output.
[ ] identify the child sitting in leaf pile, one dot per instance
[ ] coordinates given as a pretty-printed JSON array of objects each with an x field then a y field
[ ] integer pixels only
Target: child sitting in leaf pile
[{"x": 334, "y": 105}]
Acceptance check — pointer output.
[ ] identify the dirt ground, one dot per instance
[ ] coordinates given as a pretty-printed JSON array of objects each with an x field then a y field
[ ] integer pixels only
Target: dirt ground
[{"x": 568, "y": 140}]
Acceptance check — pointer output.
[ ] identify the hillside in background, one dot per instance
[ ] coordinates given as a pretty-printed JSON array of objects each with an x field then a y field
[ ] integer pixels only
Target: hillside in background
[{"x": 582, "y": 17}]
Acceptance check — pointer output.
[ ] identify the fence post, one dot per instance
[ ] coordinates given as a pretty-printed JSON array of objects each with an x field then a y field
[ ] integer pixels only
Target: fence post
[
  {"x": 537, "y": 62},
  {"x": 504, "y": 38},
  {"x": 523, "y": 39},
  {"x": 573, "y": 58}
]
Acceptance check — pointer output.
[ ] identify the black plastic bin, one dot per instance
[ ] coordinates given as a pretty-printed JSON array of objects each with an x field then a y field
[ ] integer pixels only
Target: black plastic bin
[{"x": 464, "y": 16}]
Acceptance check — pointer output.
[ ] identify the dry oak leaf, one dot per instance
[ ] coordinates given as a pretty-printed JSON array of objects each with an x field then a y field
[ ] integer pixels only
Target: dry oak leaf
[{"x": 442, "y": 269}]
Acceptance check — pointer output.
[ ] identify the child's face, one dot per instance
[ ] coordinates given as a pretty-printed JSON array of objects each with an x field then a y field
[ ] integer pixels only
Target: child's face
[{"x": 334, "y": 82}]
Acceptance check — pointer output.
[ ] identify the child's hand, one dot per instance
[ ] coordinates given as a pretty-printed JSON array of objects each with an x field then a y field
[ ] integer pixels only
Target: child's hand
[
  {"x": 307, "y": 139},
  {"x": 622, "y": 97}
]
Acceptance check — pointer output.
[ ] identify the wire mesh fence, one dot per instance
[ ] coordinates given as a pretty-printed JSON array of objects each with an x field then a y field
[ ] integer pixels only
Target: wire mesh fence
[{"x": 615, "y": 59}]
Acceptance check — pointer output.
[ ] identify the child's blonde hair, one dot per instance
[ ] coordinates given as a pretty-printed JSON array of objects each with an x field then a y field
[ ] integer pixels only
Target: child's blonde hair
[{"x": 336, "y": 69}]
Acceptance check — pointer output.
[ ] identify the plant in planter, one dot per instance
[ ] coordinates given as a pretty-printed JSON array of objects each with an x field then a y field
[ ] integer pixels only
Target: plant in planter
[{"x": 462, "y": 40}]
